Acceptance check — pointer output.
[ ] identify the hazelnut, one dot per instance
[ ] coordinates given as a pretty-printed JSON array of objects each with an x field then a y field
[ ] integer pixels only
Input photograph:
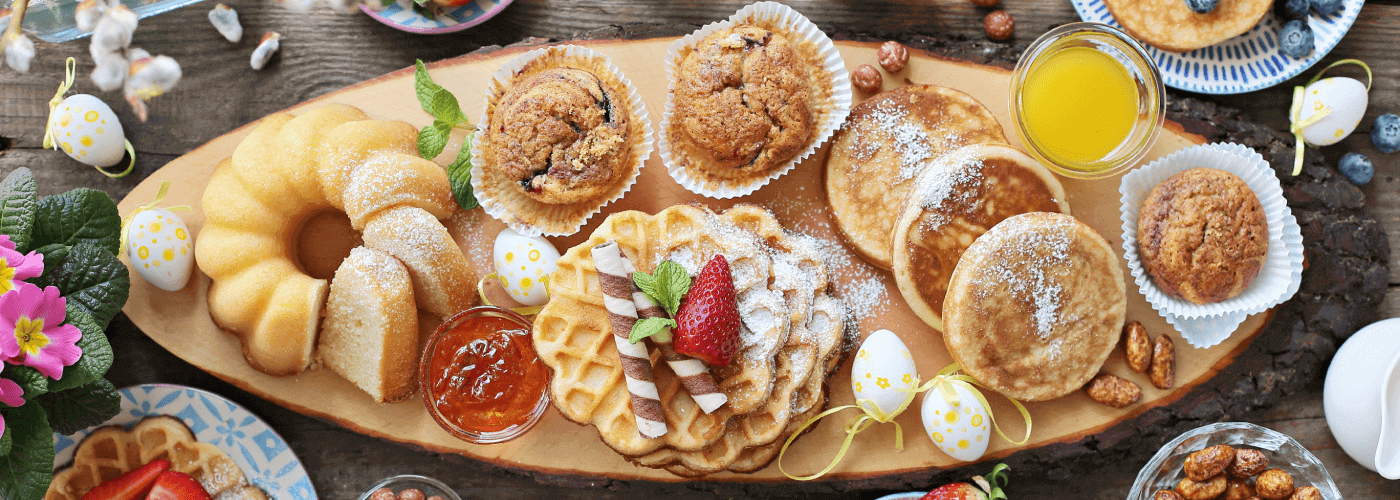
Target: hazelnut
[
  {"x": 999, "y": 25},
  {"x": 893, "y": 56},
  {"x": 1248, "y": 463},
  {"x": 1306, "y": 493},
  {"x": 1112, "y": 391},
  {"x": 986, "y": 3},
  {"x": 1136, "y": 346},
  {"x": 867, "y": 79},
  {"x": 1274, "y": 484}
]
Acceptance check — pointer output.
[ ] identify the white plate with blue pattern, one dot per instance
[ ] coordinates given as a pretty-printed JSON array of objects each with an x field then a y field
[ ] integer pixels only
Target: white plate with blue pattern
[
  {"x": 263, "y": 455},
  {"x": 1245, "y": 63},
  {"x": 401, "y": 16}
]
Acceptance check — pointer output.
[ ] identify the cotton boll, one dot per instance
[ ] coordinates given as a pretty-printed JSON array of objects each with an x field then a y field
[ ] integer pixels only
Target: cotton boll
[
  {"x": 225, "y": 19},
  {"x": 271, "y": 41},
  {"x": 87, "y": 13},
  {"x": 113, "y": 31},
  {"x": 19, "y": 53},
  {"x": 149, "y": 77},
  {"x": 110, "y": 72}
]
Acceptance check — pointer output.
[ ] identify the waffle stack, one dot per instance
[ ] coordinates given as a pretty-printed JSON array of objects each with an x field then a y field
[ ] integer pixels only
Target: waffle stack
[
  {"x": 791, "y": 340},
  {"x": 110, "y": 452}
]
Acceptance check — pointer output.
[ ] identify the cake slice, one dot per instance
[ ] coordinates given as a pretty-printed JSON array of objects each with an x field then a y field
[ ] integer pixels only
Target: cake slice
[{"x": 370, "y": 334}]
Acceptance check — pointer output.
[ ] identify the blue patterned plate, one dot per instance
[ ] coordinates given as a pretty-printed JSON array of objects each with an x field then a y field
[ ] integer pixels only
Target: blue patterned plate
[
  {"x": 401, "y": 16},
  {"x": 258, "y": 450},
  {"x": 1245, "y": 63}
]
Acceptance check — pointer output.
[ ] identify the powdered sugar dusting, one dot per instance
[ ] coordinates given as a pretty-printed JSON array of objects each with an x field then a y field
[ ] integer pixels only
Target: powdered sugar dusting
[
  {"x": 890, "y": 121},
  {"x": 945, "y": 185},
  {"x": 1030, "y": 248}
]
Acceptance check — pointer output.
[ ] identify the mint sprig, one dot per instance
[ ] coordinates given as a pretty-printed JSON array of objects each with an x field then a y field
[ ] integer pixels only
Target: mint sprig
[
  {"x": 447, "y": 115},
  {"x": 667, "y": 285}
]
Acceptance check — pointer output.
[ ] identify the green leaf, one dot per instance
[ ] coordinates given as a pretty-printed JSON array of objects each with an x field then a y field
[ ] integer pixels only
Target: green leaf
[
  {"x": 433, "y": 138},
  {"x": 7, "y": 440},
  {"x": 97, "y": 353},
  {"x": 79, "y": 216},
  {"x": 91, "y": 279},
  {"x": 648, "y": 327},
  {"x": 446, "y": 109},
  {"x": 459, "y": 173},
  {"x": 81, "y": 407},
  {"x": 677, "y": 283},
  {"x": 423, "y": 85},
  {"x": 53, "y": 254},
  {"x": 33, "y": 383},
  {"x": 18, "y": 197},
  {"x": 26, "y": 471}
]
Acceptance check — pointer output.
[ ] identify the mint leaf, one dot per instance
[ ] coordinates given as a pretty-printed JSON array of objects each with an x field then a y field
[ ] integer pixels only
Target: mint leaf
[
  {"x": 81, "y": 407},
  {"x": 26, "y": 471},
  {"x": 97, "y": 353},
  {"x": 33, "y": 383},
  {"x": 79, "y": 216},
  {"x": 676, "y": 281},
  {"x": 648, "y": 327},
  {"x": 7, "y": 440},
  {"x": 648, "y": 284},
  {"x": 460, "y": 175},
  {"x": 446, "y": 109},
  {"x": 53, "y": 254},
  {"x": 18, "y": 197},
  {"x": 91, "y": 279},
  {"x": 423, "y": 85},
  {"x": 433, "y": 138}
]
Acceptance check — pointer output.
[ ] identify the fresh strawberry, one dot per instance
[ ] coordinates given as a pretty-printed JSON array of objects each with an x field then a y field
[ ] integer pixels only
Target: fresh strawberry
[
  {"x": 707, "y": 322},
  {"x": 130, "y": 486},
  {"x": 173, "y": 485},
  {"x": 956, "y": 491}
]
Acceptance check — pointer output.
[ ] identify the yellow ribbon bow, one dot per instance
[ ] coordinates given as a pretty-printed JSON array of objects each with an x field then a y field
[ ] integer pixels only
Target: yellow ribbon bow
[
  {"x": 160, "y": 195},
  {"x": 70, "y": 66},
  {"x": 872, "y": 414},
  {"x": 523, "y": 311},
  {"x": 1295, "y": 113}
]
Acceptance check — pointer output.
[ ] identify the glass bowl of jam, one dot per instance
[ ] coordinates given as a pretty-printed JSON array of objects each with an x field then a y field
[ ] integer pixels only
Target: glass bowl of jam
[
  {"x": 1087, "y": 100},
  {"x": 480, "y": 377}
]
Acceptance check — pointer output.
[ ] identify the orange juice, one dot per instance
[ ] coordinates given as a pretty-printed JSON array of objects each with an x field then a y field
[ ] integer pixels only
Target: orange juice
[{"x": 1079, "y": 104}]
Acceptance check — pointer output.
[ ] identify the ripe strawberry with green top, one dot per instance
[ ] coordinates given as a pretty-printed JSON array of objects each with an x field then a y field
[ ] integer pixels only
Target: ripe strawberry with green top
[
  {"x": 707, "y": 322},
  {"x": 983, "y": 490}
]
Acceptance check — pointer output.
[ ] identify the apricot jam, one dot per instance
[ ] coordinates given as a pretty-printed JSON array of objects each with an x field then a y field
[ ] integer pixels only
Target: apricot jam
[{"x": 481, "y": 379}]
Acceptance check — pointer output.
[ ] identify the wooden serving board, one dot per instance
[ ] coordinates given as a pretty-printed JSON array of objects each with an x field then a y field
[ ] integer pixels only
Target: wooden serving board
[{"x": 180, "y": 322}]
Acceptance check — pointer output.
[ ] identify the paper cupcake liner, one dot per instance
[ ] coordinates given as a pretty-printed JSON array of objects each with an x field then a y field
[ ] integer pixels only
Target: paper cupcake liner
[
  {"x": 792, "y": 23},
  {"x": 501, "y": 198},
  {"x": 1204, "y": 325}
]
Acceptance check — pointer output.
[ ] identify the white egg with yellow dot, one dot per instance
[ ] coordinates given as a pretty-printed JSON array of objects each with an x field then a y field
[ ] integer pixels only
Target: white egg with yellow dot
[
  {"x": 87, "y": 129},
  {"x": 960, "y": 429},
  {"x": 1344, "y": 100},
  {"x": 523, "y": 264},
  {"x": 882, "y": 367},
  {"x": 161, "y": 248}
]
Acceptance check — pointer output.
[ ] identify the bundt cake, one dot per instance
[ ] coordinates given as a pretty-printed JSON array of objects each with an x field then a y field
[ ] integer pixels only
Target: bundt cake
[
  {"x": 291, "y": 167},
  {"x": 370, "y": 335}
]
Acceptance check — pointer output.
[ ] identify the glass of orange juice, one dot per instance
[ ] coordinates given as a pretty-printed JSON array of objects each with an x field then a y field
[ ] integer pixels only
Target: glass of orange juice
[{"x": 1087, "y": 100}]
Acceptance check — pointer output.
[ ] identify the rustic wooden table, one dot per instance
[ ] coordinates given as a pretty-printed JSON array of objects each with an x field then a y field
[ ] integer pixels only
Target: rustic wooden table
[{"x": 323, "y": 51}]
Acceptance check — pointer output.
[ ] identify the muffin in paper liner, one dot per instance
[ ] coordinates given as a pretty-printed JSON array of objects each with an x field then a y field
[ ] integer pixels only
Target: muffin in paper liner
[
  {"x": 1205, "y": 325},
  {"x": 832, "y": 86},
  {"x": 502, "y": 197}
]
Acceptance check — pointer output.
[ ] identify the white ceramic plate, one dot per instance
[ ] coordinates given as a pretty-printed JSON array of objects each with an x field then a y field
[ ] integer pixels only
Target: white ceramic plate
[
  {"x": 1245, "y": 63},
  {"x": 262, "y": 454}
]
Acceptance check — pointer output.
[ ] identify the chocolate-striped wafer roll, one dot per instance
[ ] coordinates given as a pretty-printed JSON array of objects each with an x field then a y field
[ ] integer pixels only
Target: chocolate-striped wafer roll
[
  {"x": 616, "y": 282},
  {"x": 693, "y": 374}
]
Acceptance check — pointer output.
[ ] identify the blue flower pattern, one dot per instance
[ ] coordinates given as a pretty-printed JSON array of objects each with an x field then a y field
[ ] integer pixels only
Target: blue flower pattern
[
  {"x": 260, "y": 452},
  {"x": 401, "y": 13}
]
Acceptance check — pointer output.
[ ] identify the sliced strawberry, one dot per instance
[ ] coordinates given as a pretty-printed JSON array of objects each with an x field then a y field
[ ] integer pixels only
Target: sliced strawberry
[
  {"x": 130, "y": 486},
  {"x": 956, "y": 491},
  {"x": 173, "y": 485},
  {"x": 707, "y": 322}
]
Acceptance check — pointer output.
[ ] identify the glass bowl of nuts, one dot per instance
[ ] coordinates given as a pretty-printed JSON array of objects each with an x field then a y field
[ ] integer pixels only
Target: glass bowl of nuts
[
  {"x": 410, "y": 487},
  {"x": 1233, "y": 460}
]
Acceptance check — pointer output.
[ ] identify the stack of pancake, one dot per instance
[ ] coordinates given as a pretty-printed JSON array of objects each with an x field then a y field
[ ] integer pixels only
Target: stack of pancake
[{"x": 792, "y": 332}]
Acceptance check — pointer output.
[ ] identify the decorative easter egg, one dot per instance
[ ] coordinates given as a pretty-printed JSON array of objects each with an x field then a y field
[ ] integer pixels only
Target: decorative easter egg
[
  {"x": 87, "y": 129},
  {"x": 161, "y": 248},
  {"x": 523, "y": 264},
  {"x": 882, "y": 367},
  {"x": 1344, "y": 98},
  {"x": 960, "y": 429}
]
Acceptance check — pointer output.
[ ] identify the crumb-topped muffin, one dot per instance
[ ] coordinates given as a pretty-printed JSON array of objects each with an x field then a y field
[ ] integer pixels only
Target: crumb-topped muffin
[
  {"x": 568, "y": 142},
  {"x": 1203, "y": 235}
]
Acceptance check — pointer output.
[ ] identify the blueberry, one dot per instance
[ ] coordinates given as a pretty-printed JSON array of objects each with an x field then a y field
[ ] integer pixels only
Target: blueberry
[
  {"x": 1385, "y": 134},
  {"x": 1292, "y": 9},
  {"x": 1357, "y": 168},
  {"x": 1295, "y": 39},
  {"x": 1202, "y": 6},
  {"x": 1326, "y": 7}
]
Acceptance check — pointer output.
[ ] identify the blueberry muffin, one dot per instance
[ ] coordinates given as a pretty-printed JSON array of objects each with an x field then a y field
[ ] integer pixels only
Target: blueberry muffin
[
  {"x": 567, "y": 140},
  {"x": 1203, "y": 235}
]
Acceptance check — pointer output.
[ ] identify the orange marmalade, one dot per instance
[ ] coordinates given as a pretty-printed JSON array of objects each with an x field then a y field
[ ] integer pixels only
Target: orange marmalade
[{"x": 481, "y": 378}]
